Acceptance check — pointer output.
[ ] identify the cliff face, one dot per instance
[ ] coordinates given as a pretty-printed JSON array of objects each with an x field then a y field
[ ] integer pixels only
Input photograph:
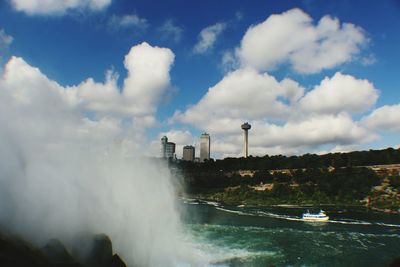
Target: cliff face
[
  {"x": 15, "y": 252},
  {"x": 381, "y": 170},
  {"x": 389, "y": 169}
]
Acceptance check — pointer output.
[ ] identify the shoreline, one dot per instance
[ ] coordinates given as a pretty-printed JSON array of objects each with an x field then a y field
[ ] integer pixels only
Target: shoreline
[{"x": 294, "y": 206}]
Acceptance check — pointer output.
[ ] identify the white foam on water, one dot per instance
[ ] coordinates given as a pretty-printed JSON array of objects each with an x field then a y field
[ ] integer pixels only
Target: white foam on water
[
  {"x": 214, "y": 255},
  {"x": 235, "y": 211},
  {"x": 388, "y": 225},
  {"x": 293, "y": 218},
  {"x": 212, "y": 203}
]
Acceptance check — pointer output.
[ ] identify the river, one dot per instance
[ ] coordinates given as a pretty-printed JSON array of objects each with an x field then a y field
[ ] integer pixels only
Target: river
[{"x": 276, "y": 236}]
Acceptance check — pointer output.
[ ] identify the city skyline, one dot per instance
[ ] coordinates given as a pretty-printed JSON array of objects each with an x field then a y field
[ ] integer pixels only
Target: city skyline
[
  {"x": 309, "y": 76},
  {"x": 189, "y": 153}
]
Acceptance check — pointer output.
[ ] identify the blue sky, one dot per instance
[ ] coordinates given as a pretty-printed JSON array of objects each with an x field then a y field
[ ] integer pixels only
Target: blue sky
[{"x": 280, "y": 52}]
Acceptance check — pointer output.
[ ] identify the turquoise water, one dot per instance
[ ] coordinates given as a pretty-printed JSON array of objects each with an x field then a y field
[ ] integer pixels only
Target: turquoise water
[{"x": 240, "y": 236}]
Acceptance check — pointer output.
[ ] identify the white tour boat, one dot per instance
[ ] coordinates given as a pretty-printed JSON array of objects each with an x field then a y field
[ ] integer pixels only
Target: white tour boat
[{"x": 315, "y": 217}]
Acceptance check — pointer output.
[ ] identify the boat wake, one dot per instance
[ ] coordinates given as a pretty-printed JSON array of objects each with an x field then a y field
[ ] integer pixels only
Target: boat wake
[
  {"x": 193, "y": 201},
  {"x": 260, "y": 213}
]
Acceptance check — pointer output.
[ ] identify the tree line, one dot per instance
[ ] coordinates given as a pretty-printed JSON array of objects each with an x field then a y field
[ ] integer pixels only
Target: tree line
[{"x": 350, "y": 159}]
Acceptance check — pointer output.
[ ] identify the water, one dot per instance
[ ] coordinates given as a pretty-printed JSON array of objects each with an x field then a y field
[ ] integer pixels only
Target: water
[{"x": 234, "y": 236}]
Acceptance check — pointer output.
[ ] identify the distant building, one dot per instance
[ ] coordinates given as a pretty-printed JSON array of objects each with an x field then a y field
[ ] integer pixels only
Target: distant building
[
  {"x": 164, "y": 141},
  {"x": 170, "y": 151},
  {"x": 204, "y": 147},
  {"x": 188, "y": 153},
  {"x": 167, "y": 148}
]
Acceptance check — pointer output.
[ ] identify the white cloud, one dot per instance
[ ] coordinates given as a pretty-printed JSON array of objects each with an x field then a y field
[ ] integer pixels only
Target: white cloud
[
  {"x": 228, "y": 146},
  {"x": 52, "y": 7},
  {"x": 207, "y": 37},
  {"x": 171, "y": 31},
  {"x": 28, "y": 85},
  {"x": 229, "y": 61},
  {"x": 291, "y": 37},
  {"x": 241, "y": 95},
  {"x": 148, "y": 75},
  {"x": 386, "y": 118},
  {"x": 128, "y": 21},
  {"x": 342, "y": 149},
  {"x": 39, "y": 111},
  {"x": 369, "y": 60},
  {"x": 294, "y": 137},
  {"x": 5, "y": 40},
  {"x": 239, "y": 16},
  {"x": 147, "y": 80},
  {"x": 311, "y": 132},
  {"x": 340, "y": 93}
]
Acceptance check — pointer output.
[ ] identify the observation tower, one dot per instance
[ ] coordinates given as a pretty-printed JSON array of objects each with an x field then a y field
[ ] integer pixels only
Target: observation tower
[{"x": 246, "y": 127}]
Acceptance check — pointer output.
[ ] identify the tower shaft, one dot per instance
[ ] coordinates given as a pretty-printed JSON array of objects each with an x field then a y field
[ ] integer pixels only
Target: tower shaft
[
  {"x": 246, "y": 127},
  {"x": 246, "y": 143}
]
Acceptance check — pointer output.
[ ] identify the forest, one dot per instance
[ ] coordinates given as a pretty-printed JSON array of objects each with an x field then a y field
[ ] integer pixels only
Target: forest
[{"x": 331, "y": 178}]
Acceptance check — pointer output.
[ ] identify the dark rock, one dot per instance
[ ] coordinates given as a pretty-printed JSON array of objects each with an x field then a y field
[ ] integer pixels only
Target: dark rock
[
  {"x": 73, "y": 264},
  {"x": 116, "y": 261},
  {"x": 93, "y": 250},
  {"x": 101, "y": 252},
  {"x": 18, "y": 253},
  {"x": 395, "y": 263},
  {"x": 15, "y": 252},
  {"x": 56, "y": 252}
]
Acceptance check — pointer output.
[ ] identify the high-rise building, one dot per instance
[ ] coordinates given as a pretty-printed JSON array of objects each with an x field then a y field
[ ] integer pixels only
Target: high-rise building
[
  {"x": 170, "y": 150},
  {"x": 167, "y": 148},
  {"x": 204, "y": 147},
  {"x": 164, "y": 141},
  {"x": 188, "y": 153}
]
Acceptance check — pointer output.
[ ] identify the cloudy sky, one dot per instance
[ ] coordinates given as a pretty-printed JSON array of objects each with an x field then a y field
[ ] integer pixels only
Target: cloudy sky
[{"x": 309, "y": 76}]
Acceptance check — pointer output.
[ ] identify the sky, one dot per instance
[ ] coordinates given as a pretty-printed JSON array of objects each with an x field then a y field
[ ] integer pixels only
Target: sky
[{"x": 309, "y": 76}]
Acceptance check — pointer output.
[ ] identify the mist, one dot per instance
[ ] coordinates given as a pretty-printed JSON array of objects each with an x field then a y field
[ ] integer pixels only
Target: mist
[{"x": 65, "y": 171}]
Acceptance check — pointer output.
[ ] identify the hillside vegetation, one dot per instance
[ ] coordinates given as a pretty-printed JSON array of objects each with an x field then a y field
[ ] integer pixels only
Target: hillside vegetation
[{"x": 338, "y": 178}]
